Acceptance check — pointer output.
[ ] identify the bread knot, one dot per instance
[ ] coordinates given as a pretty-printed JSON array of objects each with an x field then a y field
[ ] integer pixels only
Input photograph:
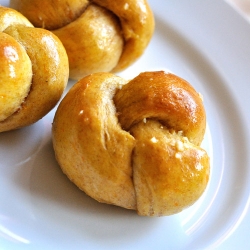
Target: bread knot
[
  {"x": 33, "y": 73},
  {"x": 134, "y": 144},
  {"x": 99, "y": 35}
]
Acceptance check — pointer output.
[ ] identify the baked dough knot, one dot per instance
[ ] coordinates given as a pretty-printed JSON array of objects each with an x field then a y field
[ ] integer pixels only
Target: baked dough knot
[
  {"x": 33, "y": 73},
  {"x": 99, "y": 35},
  {"x": 134, "y": 144}
]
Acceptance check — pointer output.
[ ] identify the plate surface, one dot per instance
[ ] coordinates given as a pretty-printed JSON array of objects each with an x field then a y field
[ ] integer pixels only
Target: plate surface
[{"x": 206, "y": 43}]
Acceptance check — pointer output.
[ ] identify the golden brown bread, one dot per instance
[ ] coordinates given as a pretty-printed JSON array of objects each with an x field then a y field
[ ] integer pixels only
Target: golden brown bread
[
  {"x": 134, "y": 144},
  {"x": 98, "y": 35},
  {"x": 34, "y": 71}
]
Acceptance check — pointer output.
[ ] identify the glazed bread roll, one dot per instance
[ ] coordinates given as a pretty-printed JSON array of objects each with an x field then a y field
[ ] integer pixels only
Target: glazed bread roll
[
  {"x": 134, "y": 144},
  {"x": 99, "y": 35},
  {"x": 34, "y": 71}
]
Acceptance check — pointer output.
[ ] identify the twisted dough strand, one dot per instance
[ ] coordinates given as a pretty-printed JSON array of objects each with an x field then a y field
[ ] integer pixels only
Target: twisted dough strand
[
  {"x": 39, "y": 57},
  {"x": 9, "y": 17},
  {"x": 99, "y": 35},
  {"x": 155, "y": 165},
  {"x": 13, "y": 55},
  {"x": 137, "y": 23},
  {"x": 93, "y": 151},
  {"x": 49, "y": 14},
  {"x": 165, "y": 97}
]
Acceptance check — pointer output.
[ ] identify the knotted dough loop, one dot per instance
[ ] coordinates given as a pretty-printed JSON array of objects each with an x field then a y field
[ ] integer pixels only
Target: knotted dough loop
[
  {"x": 164, "y": 97},
  {"x": 122, "y": 145},
  {"x": 33, "y": 73},
  {"x": 99, "y": 36}
]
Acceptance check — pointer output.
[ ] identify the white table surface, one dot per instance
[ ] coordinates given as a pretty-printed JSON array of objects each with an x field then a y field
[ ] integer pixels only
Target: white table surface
[{"x": 242, "y": 233}]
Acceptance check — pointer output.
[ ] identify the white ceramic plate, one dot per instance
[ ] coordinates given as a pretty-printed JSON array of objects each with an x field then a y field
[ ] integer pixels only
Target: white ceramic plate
[{"x": 208, "y": 44}]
